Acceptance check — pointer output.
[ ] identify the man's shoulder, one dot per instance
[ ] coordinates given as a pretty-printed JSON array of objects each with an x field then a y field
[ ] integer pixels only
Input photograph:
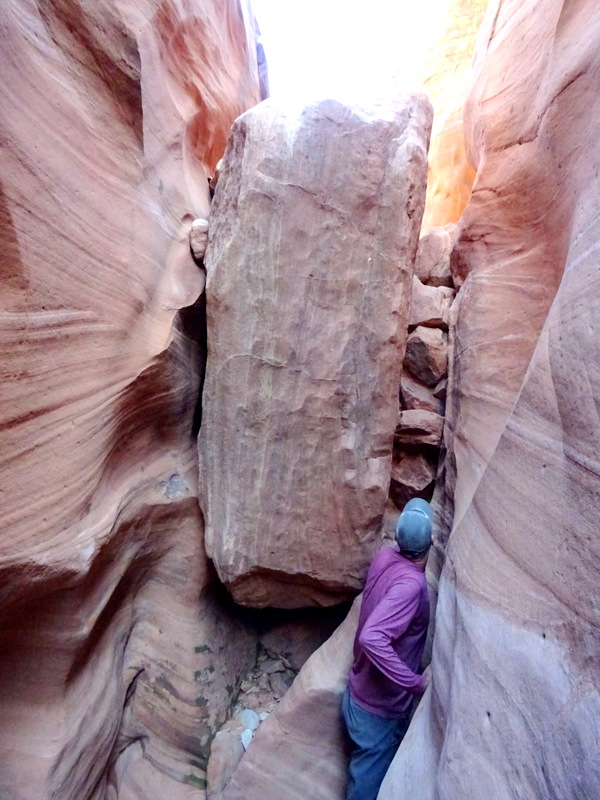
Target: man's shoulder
[{"x": 397, "y": 570}]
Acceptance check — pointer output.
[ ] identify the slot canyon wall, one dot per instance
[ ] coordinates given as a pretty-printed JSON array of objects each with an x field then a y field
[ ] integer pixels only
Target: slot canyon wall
[
  {"x": 118, "y": 657},
  {"x": 515, "y": 704}
]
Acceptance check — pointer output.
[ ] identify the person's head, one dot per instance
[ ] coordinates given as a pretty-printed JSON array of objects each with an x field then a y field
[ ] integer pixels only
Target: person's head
[{"x": 413, "y": 529}]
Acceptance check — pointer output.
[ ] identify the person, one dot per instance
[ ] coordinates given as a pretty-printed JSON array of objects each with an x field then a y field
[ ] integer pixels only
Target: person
[{"x": 388, "y": 647}]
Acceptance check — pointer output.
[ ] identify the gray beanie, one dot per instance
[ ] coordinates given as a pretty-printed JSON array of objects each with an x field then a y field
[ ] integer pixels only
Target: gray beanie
[{"x": 413, "y": 529}]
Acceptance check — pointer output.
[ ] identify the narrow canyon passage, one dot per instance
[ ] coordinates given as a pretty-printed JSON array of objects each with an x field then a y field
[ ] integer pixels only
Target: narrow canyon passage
[{"x": 202, "y": 449}]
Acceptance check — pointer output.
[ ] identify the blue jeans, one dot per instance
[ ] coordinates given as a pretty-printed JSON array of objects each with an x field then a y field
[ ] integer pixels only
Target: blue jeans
[{"x": 375, "y": 741}]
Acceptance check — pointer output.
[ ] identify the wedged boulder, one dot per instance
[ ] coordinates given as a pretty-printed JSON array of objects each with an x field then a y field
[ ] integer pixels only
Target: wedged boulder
[
  {"x": 430, "y": 305},
  {"x": 199, "y": 238},
  {"x": 432, "y": 265},
  {"x": 314, "y": 228},
  {"x": 414, "y": 395},
  {"x": 419, "y": 427},
  {"x": 427, "y": 354},
  {"x": 412, "y": 474},
  {"x": 300, "y": 750}
]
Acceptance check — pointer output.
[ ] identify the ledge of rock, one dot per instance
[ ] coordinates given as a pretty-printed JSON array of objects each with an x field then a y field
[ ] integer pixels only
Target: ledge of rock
[{"x": 314, "y": 229}]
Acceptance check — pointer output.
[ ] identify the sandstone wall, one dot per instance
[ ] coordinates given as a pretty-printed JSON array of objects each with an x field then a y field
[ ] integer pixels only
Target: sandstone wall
[
  {"x": 515, "y": 703},
  {"x": 112, "y": 116},
  {"x": 313, "y": 236},
  {"x": 445, "y": 74}
]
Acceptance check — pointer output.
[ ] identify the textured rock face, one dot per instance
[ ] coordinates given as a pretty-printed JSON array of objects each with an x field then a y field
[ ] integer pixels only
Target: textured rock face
[
  {"x": 313, "y": 234},
  {"x": 111, "y": 117},
  {"x": 516, "y": 655}
]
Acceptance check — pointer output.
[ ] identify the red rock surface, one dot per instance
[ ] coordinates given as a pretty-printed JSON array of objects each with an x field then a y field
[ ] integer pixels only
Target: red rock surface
[
  {"x": 314, "y": 230},
  {"x": 111, "y": 117},
  {"x": 515, "y": 706}
]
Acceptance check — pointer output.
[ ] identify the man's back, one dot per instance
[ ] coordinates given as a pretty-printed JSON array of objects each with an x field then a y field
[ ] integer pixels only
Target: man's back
[{"x": 391, "y": 636}]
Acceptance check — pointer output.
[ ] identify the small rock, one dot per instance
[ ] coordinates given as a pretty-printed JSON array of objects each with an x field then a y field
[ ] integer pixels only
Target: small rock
[
  {"x": 263, "y": 715},
  {"x": 430, "y": 305},
  {"x": 279, "y": 684},
  {"x": 246, "y": 738},
  {"x": 199, "y": 238},
  {"x": 263, "y": 682},
  {"x": 426, "y": 355},
  {"x": 419, "y": 427},
  {"x": 273, "y": 665},
  {"x": 249, "y": 719},
  {"x": 432, "y": 265},
  {"x": 412, "y": 474},
  {"x": 416, "y": 395}
]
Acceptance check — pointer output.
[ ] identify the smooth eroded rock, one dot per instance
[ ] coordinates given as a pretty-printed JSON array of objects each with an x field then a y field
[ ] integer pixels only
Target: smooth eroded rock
[
  {"x": 112, "y": 115},
  {"x": 516, "y": 656},
  {"x": 314, "y": 228}
]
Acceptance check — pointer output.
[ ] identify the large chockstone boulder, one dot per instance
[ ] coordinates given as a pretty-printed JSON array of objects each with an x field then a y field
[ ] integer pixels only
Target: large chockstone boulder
[
  {"x": 314, "y": 229},
  {"x": 112, "y": 115},
  {"x": 515, "y": 704}
]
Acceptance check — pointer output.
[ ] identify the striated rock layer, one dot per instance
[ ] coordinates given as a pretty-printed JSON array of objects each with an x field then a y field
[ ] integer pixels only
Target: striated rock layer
[
  {"x": 515, "y": 706},
  {"x": 313, "y": 236},
  {"x": 112, "y": 116}
]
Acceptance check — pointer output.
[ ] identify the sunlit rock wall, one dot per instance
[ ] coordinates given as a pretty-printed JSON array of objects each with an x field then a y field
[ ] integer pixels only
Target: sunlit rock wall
[
  {"x": 515, "y": 706},
  {"x": 446, "y": 76},
  {"x": 313, "y": 236},
  {"x": 441, "y": 68},
  {"x": 112, "y": 116}
]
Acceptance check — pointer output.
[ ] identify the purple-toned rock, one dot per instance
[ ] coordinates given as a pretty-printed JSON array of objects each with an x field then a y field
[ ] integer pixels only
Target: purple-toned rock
[{"x": 199, "y": 238}]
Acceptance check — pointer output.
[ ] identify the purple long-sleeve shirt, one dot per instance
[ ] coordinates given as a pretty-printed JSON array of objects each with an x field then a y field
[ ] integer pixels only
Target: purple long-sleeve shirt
[{"x": 391, "y": 634}]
